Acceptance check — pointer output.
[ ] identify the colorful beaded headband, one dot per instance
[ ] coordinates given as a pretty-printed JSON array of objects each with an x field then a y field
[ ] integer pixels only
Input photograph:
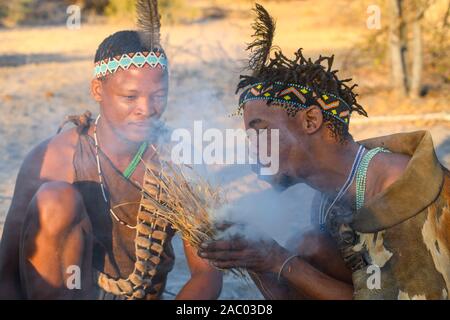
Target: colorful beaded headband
[
  {"x": 297, "y": 96},
  {"x": 125, "y": 61}
]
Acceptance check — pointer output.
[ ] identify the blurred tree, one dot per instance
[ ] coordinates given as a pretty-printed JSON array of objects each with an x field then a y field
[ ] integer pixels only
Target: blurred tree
[
  {"x": 13, "y": 12},
  {"x": 97, "y": 6},
  {"x": 406, "y": 34},
  {"x": 419, "y": 8},
  {"x": 3, "y": 11},
  {"x": 54, "y": 11},
  {"x": 413, "y": 43},
  {"x": 439, "y": 46},
  {"x": 172, "y": 11},
  {"x": 119, "y": 7},
  {"x": 398, "y": 46}
]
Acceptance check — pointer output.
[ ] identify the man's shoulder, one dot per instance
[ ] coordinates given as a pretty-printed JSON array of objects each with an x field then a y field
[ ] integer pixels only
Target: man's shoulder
[
  {"x": 65, "y": 141},
  {"x": 54, "y": 156},
  {"x": 393, "y": 166}
]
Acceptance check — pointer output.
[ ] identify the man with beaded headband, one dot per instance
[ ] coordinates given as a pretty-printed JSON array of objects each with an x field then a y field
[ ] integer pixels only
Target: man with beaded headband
[
  {"x": 77, "y": 208},
  {"x": 382, "y": 218}
]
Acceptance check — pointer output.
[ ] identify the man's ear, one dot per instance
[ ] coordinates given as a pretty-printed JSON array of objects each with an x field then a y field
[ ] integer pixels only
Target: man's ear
[
  {"x": 97, "y": 89},
  {"x": 312, "y": 119}
]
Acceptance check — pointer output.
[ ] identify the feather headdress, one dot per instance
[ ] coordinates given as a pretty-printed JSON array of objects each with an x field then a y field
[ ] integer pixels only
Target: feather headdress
[
  {"x": 264, "y": 27},
  {"x": 296, "y": 83},
  {"x": 149, "y": 23}
]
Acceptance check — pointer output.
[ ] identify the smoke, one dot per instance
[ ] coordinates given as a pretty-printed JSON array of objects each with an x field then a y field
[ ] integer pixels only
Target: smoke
[
  {"x": 201, "y": 88},
  {"x": 268, "y": 213},
  {"x": 254, "y": 208}
]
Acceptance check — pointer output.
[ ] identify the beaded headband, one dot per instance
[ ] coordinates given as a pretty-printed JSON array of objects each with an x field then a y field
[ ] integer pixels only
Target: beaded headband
[
  {"x": 297, "y": 96},
  {"x": 125, "y": 61}
]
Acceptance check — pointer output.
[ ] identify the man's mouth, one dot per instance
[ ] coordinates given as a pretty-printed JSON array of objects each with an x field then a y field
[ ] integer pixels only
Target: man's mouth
[
  {"x": 141, "y": 124},
  {"x": 152, "y": 129},
  {"x": 279, "y": 182}
]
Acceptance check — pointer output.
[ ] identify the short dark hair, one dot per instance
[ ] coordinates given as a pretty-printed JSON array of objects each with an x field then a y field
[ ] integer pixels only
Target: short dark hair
[{"x": 121, "y": 42}]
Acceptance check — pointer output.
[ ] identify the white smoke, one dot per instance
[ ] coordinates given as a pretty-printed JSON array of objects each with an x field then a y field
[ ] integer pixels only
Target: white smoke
[{"x": 253, "y": 205}]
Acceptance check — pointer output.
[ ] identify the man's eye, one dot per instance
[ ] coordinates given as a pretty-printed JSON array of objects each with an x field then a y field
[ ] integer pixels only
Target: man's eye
[{"x": 130, "y": 97}]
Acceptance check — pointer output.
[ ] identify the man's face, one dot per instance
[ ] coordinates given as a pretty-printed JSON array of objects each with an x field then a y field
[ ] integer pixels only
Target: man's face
[
  {"x": 292, "y": 150},
  {"x": 131, "y": 100}
]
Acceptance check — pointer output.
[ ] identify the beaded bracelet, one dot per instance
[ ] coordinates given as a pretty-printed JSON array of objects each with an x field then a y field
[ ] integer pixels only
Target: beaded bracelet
[{"x": 284, "y": 265}]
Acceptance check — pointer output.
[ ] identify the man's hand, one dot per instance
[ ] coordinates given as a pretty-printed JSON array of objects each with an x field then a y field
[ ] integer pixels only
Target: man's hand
[
  {"x": 205, "y": 282},
  {"x": 264, "y": 255}
]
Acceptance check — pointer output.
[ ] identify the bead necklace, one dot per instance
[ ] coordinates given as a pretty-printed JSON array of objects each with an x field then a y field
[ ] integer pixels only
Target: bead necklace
[
  {"x": 343, "y": 190},
  {"x": 361, "y": 175},
  {"x": 127, "y": 173}
]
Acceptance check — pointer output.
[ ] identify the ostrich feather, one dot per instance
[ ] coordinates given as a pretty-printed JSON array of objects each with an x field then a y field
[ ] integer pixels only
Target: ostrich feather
[
  {"x": 264, "y": 27},
  {"x": 149, "y": 23}
]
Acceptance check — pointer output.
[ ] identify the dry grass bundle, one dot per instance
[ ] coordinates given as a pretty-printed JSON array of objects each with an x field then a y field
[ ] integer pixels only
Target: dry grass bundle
[
  {"x": 184, "y": 199},
  {"x": 186, "y": 202}
]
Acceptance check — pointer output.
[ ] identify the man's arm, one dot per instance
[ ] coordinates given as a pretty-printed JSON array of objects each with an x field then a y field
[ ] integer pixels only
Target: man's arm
[
  {"x": 314, "y": 247},
  {"x": 50, "y": 160},
  {"x": 271, "y": 288},
  {"x": 299, "y": 279},
  {"x": 311, "y": 282},
  {"x": 205, "y": 282},
  {"x": 27, "y": 183}
]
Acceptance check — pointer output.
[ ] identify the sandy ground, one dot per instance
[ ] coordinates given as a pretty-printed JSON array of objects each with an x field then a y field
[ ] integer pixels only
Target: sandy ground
[{"x": 47, "y": 76}]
